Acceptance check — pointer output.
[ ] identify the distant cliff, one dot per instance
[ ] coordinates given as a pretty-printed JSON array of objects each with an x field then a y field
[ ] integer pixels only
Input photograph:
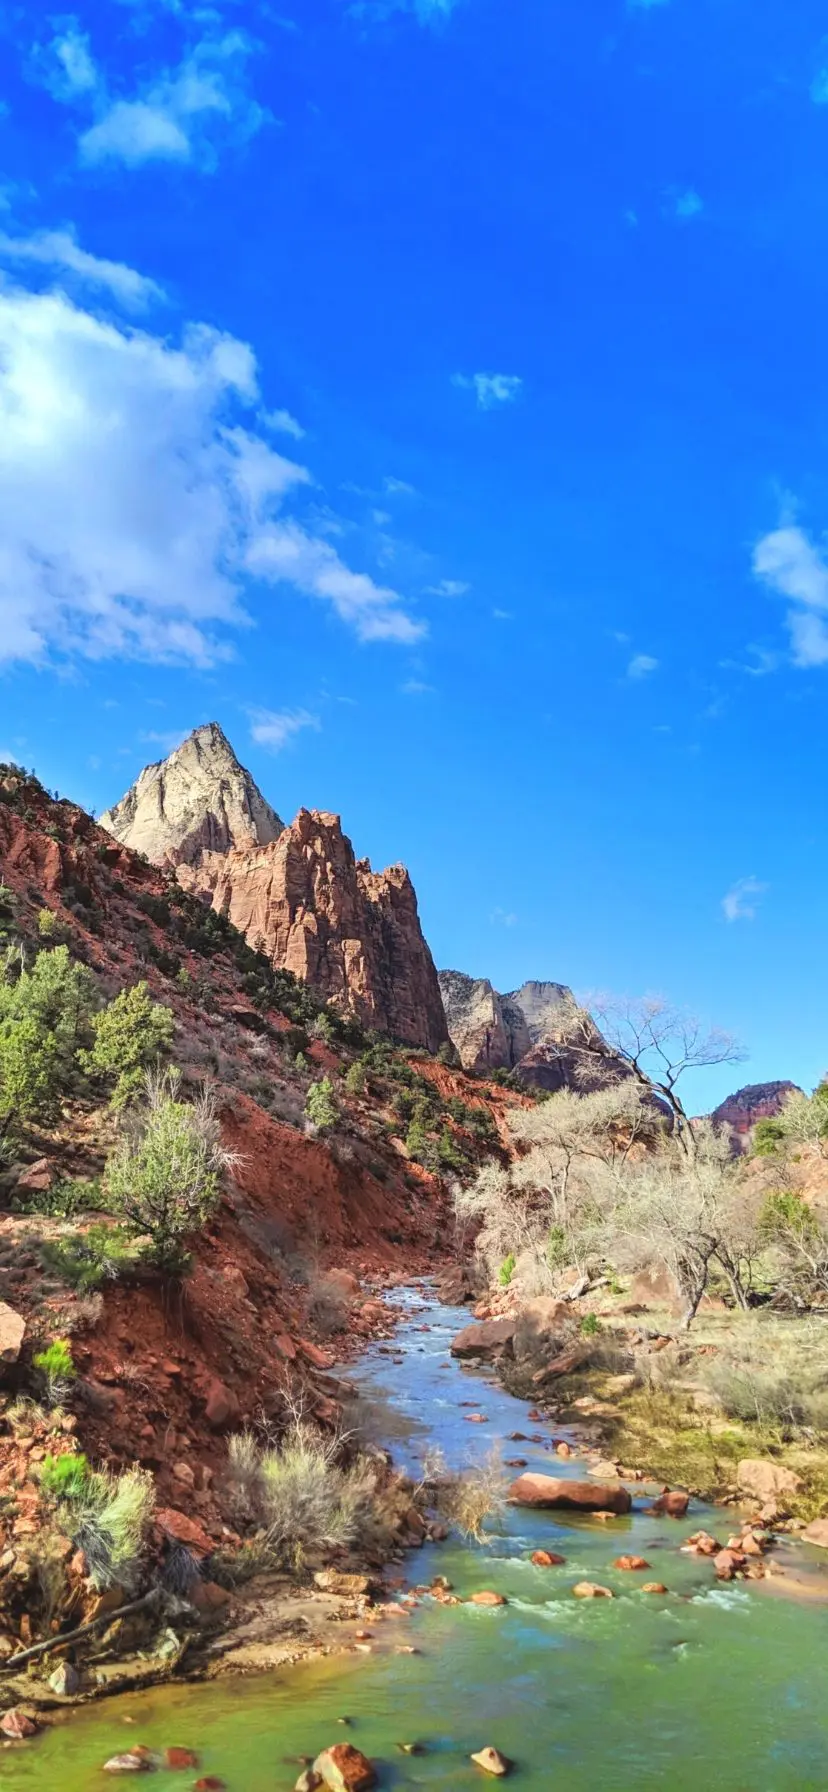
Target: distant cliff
[
  {"x": 529, "y": 1031},
  {"x": 756, "y": 1101}
]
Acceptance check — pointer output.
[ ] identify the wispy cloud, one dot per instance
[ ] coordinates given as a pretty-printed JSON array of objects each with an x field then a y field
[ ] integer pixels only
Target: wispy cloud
[
  {"x": 641, "y": 665},
  {"x": 273, "y": 728},
  {"x": 503, "y": 615},
  {"x": 66, "y": 66},
  {"x": 185, "y": 113},
  {"x": 166, "y": 739},
  {"x": 684, "y": 205},
  {"x": 60, "y": 251},
  {"x": 415, "y": 687},
  {"x": 491, "y": 389},
  {"x": 740, "y": 903},
  {"x": 399, "y": 488},
  {"x": 427, "y": 12},
  {"x": 138, "y": 501},
  {"x": 449, "y": 588},
  {"x": 501, "y": 917},
  {"x": 787, "y": 562},
  {"x": 644, "y": 5},
  {"x": 282, "y": 423},
  {"x": 819, "y": 88}
]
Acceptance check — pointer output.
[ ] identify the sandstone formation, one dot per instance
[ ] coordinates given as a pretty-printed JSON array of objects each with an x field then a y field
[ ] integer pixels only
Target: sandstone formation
[
  {"x": 532, "y": 1030},
  {"x": 352, "y": 933},
  {"x": 757, "y": 1101},
  {"x": 297, "y": 893},
  {"x": 198, "y": 800}
]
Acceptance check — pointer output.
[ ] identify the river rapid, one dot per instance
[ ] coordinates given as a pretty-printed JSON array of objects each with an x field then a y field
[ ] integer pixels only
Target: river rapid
[{"x": 707, "y": 1686}]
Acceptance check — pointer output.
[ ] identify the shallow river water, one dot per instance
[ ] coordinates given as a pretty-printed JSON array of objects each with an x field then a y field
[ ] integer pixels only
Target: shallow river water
[{"x": 710, "y": 1686}]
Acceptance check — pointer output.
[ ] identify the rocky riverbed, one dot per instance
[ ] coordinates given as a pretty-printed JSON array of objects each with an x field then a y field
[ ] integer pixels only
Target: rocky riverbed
[{"x": 596, "y": 1647}]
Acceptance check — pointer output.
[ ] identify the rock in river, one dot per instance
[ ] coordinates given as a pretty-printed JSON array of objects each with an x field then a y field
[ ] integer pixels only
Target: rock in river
[
  {"x": 492, "y": 1761},
  {"x": 484, "y": 1339},
  {"x": 551, "y": 1491},
  {"x": 344, "y": 1769}
]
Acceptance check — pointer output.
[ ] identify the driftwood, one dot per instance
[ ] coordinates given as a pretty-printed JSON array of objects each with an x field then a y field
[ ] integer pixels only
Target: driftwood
[{"x": 68, "y": 1637}]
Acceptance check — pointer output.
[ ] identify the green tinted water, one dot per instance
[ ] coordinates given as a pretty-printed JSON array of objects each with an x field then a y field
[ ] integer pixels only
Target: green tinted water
[{"x": 711, "y": 1686}]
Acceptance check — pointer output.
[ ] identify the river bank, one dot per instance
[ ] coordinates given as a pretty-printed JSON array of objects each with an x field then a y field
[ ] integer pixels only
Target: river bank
[{"x": 624, "y": 1692}]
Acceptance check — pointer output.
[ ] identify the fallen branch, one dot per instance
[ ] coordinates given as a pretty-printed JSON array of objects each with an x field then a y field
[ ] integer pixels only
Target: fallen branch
[{"x": 71, "y": 1636}]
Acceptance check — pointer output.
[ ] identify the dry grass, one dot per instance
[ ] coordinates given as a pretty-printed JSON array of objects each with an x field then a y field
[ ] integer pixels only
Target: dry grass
[
  {"x": 473, "y": 1499},
  {"x": 298, "y": 1493}
]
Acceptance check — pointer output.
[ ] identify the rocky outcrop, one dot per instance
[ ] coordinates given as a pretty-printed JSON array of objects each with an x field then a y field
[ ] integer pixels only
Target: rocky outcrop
[
  {"x": 297, "y": 893},
  {"x": 488, "y": 1031},
  {"x": 198, "y": 800},
  {"x": 532, "y": 1030},
  {"x": 485, "y": 1338},
  {"x": 352, "y": 933},
  {"x": 757, "y": 1101}
]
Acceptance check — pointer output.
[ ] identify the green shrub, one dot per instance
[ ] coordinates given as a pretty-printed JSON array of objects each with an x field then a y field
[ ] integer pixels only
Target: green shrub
[
  {"x": 590, "y": 1326},
  {"x": 356, "y": 1079},
  {"x": 321, "y": 1105},
  {"x": 111, "y": 1522},
  {"x": 62, "y": 1201},
  {"x": 45, "y": 1015},
  {"x": 131, "y": 1034},
  {"x": 323, "y": 1028},
  {"x": 87, "y": 1260},
  {"x": 57, "y": 1369},
  {"x": 449, "y": 1155},
  {"x": 50, "y": 927},
  {"x": 417, "y": 1142},
  {"x": 64, "y": 1477},
  {"x": 768, "y": 1135},
  {"x": 507, "y": 1270},
  {"x": 165, "y": 1176}
]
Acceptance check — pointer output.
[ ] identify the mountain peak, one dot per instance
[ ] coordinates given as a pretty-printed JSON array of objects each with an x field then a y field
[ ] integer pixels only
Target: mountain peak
[{"x": 199, "y": 799}]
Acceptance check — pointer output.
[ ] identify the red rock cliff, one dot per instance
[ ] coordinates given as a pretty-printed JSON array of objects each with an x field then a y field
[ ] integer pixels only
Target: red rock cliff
[{"x": 352, "y": 933}]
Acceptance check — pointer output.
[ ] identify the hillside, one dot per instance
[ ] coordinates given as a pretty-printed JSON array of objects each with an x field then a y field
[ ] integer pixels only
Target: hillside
[{"x": 162, "y": 1366}]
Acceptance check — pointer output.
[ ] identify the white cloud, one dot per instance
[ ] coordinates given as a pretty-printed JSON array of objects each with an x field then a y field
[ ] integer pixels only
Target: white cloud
[
  {"x": 641, "y": 665},
  {"x": 449, "y": 588},
  {"x": 427, "y": 12},
  {"x": 501, "y": 917},
  {"x": 283, "y": 423},
  {"x": 415, "y": 687},
  {"x": 740, "y": 902},
  {"x": 179, "y": 114},
  {"x": 686, "y": 205},
  {"x": 491, "y": 389},
  {"x": 503, "y": 615},
  {"x": 58, "y": 249},
  {"x": 285, "y": 552},
  {"x": 399, "y": 488},
  {"x": 789, "y": 563},
  {"x": 67, "y": 68},
  {"x": 135, "y": 502},
  {"x": 274, "y": 728}
]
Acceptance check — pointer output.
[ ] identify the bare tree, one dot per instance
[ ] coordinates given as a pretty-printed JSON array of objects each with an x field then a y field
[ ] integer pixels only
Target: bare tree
[
  {"x": 655, "y": 1044},
  {"x": 553, "y": 1200},
  {"x": 683, "y": 1210}
]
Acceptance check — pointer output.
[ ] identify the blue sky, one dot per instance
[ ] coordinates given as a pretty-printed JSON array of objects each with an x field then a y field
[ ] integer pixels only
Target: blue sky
[{"x": 433, "y": 392}]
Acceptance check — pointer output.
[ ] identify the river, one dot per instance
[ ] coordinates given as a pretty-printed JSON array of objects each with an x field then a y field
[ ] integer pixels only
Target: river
[{"x": 711, "y": 1686}]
